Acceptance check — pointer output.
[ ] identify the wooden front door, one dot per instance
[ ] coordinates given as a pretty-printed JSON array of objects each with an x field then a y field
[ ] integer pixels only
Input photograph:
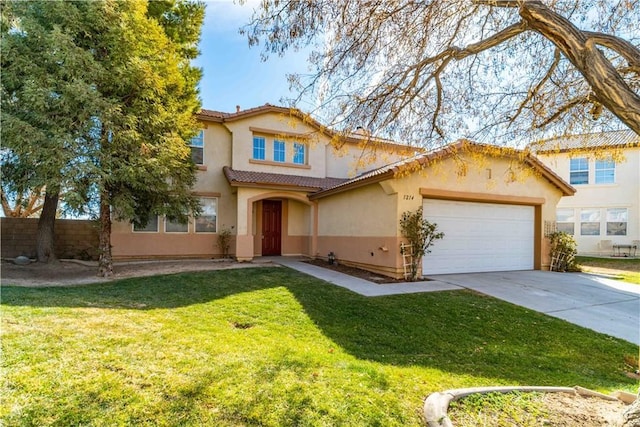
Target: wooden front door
[{"x": 271, "y": 227}]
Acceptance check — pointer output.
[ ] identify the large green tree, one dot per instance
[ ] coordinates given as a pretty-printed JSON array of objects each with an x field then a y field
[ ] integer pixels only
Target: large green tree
[
  {"x": 492, "y": 70},
  {"x": 144, "y": 160},
  {"x": 48, "y": 100},
  {"x": 125, "y": 149}
]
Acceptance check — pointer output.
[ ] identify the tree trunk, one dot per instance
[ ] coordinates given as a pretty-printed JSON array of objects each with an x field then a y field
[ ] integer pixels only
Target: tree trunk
[
  {"x": 105, "y": 262},
  {"x": 45, "y": 239},
  {"x": 609, "y": 87}
]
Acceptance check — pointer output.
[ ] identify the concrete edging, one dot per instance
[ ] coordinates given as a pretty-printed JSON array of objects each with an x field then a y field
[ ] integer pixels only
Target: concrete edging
[{"x": 436, "y": 405}]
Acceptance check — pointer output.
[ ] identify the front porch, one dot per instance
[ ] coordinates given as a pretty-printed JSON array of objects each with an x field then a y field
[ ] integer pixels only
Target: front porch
[{"x": 275, "y": 223}]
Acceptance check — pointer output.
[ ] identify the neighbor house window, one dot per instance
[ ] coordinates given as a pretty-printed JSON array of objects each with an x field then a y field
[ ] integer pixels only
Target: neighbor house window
[
  {"x": 590, "y": 222},
  {"x": 258, "y": 148},
  {"x": 617, "y": 222},
  {"x": 151, "y": 227},
  {"x": 197, "y": 148},
  {"x": 605, "y": 171},
  {"x": 299, "y": 153},
  {"x": 207, "y": 221},
  {"x": 175, "y": 226},
  {"x": 278, "y": 151},
  {"x": 579, "y": 171},
  {"x": 565, "y": 220}
]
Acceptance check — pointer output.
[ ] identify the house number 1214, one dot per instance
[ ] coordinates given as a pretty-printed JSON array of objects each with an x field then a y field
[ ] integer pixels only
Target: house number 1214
[{"x": 408, "y": 197}]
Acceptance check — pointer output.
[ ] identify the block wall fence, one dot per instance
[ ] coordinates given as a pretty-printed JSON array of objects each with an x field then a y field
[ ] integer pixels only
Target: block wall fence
[{"x": 73, "y": 238}]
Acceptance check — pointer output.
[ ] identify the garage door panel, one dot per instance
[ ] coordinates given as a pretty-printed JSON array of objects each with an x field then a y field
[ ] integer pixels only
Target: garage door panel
[{"x": 479, "y": 237}]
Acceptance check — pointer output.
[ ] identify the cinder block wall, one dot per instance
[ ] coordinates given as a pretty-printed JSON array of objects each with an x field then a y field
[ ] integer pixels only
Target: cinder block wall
[{"x": 73, "y": 238}]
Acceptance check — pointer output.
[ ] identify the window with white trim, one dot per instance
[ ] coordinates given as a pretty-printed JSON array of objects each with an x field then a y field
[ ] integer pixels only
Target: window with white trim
[
  {"x": 197, "y": 148},
  {"x": 279, "y": 151},
  {"x": 299, "y": 153},
  {"x": 175, "y": 226},
  {"x": 605, "y": 171},
  {"x": 207, "y": 221},
  {"x": 565, "y": 221},
  {"x": 259, "y": 148},
  {"x": 590, "y": 222},
  {"x": 579, "y": 171},
  {"x": 150, "y": 227},
  {"x": 617, "y": 221}
]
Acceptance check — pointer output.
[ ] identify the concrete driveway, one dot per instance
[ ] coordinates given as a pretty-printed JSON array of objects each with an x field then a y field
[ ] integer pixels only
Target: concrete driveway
[{"x": 604, "y": 305}]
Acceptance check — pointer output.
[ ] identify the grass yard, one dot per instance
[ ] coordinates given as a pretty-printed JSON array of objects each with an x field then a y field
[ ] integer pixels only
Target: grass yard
[
  {"x": 625, "y": 269},
  {"x": 273, "y": 347}
]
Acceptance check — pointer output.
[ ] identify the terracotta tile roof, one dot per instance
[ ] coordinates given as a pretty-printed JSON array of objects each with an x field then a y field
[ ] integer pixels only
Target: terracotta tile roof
[
  {"x": 421, "y": 161},
  {"x": 357, "y": 137},
  {"x": 222, "y": 116},
  {"x": 250, "y": 178},
  {"x": 616, "y": 139}
]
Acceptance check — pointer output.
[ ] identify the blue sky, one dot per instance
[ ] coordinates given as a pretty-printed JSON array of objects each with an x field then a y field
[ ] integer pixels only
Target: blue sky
[{"x": 233, "y": 73}]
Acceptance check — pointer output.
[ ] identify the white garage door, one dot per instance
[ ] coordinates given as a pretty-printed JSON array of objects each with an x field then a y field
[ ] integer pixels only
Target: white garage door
[{"x": 479, "y": 237}]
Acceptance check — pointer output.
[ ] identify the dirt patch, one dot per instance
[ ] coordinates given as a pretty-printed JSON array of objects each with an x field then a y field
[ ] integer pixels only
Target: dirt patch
[
  {"x": 577, "y": 411},
  {"x": 554, "y": 409},
  {"x": 69, "y": 273}
]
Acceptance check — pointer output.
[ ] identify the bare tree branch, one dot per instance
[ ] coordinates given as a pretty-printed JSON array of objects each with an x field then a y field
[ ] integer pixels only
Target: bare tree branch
[
  {"x": 563, "y": 109},
  {"x": 626, "y": 49},
  {"x": 532, "y": 93},
  {"x": 498, "y": 69},
  {"x": 607, "y": 84}
]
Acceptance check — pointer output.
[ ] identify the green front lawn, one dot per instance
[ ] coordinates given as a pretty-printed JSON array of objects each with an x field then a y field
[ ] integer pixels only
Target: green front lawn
[
  {"x": 625, "y": 269},
  {"x": 273, "y": 347}
]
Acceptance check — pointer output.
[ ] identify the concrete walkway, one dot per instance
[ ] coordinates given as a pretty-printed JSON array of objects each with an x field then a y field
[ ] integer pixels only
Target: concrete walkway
[
  {"x": 361, "y": 286},
  {"x": 603, "y": 305}
]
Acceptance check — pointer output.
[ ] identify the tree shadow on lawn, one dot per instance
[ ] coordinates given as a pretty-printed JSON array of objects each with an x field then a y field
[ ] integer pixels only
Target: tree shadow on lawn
[{"x": 461, "y": 332}]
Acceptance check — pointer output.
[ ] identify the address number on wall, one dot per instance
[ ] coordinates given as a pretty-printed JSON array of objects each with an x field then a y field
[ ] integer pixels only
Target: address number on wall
[{"x": 408, "y": 197}]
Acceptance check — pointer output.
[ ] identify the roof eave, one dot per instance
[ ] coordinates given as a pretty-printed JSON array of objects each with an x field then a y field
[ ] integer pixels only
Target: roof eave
[
  {"x": 588, "y": 149},
  {"x": 551, "y": 176},
  {"x": 274, "y": 185},
  {"x": 342, "y": 188}
]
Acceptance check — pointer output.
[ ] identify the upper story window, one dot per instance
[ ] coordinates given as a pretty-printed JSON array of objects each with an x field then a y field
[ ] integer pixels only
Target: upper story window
[
  {"x": 278, "y": 151},
  {"x": 197, "y": 148},
  {"x": 299, "y": 153},
  {"x": 283, "y": 149},
  {"x": 259, "y": 146},
  {"x": 579, "y": 171},
  {"x": 605, "y": 171}
]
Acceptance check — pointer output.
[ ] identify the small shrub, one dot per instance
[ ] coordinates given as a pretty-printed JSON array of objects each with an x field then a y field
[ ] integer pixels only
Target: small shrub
[
  {"x": 421, "y": 234},
  {"x": 224, "y": 241},
  {"x": 563, "y": 244}
]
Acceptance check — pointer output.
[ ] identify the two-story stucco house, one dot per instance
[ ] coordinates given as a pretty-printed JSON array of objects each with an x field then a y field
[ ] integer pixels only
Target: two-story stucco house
[
  {"x": 604, "y": 214},
  {"x": 286, "y": 185}
]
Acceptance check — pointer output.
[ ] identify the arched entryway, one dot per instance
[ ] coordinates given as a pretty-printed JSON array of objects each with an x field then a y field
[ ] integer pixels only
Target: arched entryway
[{"x": 277, "y": 223}]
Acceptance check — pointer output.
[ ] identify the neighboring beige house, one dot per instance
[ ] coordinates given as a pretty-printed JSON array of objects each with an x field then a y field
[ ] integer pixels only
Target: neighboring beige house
[
  {"x": 604, "y": 214},
  {"x": 276, "y": 179}
]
